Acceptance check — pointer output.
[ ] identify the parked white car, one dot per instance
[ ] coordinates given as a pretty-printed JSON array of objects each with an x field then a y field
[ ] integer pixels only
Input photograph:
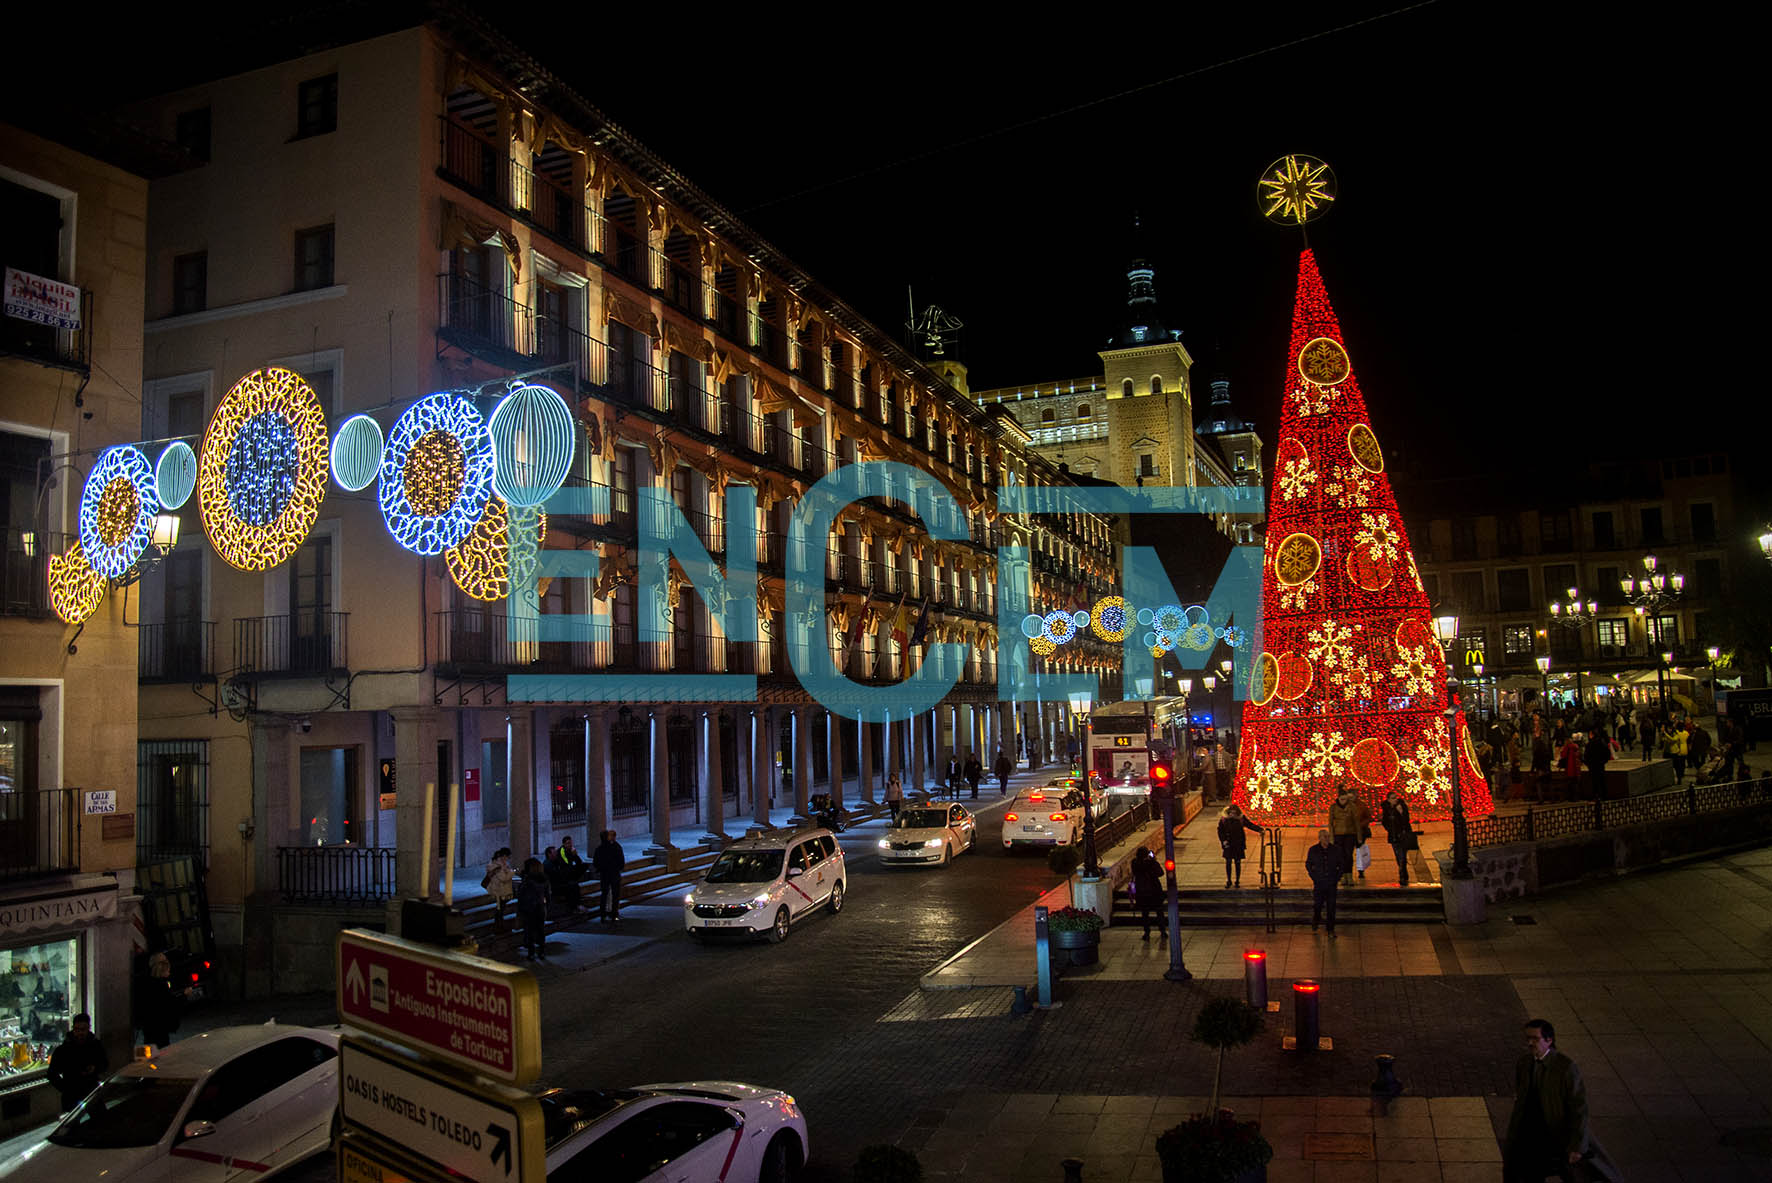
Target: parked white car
[
  {"x": 1052, "y": 816},
  {"x": 931, "y": 833},
  {"x": 715, "y": 1131},
  {"x": 234, "y": 1103},
  {"x": 764, "y": 885}
]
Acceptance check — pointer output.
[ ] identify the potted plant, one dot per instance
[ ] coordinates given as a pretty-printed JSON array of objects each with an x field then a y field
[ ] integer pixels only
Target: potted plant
[
  {"x": 1215, "y": 1147},
  {"x": 1077, "y": 931}
]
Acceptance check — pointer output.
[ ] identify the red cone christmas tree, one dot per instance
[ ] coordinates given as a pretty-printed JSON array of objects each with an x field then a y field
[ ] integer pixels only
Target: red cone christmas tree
[{"x": 1350, "y": 683}]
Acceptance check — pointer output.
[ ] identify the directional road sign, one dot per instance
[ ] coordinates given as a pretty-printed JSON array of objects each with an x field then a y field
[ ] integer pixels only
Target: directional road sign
[
  {"x": 362, "y": 1160},
  {"x": 482, "y": 1131},
  {"x": 481, "y": 1014}
]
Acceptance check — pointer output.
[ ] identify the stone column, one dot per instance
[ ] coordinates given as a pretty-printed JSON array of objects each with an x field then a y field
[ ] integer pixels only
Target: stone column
[
  {"x": 920, "y": 725},
  {"x": 712, "y": 775},
  {"x": 762, "y": 764},
  {"x": 597, "y": 769},
  {"x": 272, "y": 797},
  {"x": 864, "y": 764},
  {"x": 746, "y": 772},
  {"x": 1006, "y": 730},
  {"x": 415, "y": 766},
  {"x": 802, "y": 760},
  {"x": 659, "y": 786},
  {"x": 520, "y": 779},
  {"x": 833, "y": 727}
]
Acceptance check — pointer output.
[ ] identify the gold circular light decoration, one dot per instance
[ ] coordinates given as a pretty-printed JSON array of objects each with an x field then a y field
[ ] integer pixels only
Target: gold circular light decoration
[
  {"x": 1368, "y": 569},
  {"x": 1265, "y": 680},
  {"x": 480, "y": 564},
  {"x": 1362, "y": 445},
  {"x": 434, "y": 473},
  {"x": 1042, "y": 646},
  {"x": 1296, "y": 676},
  {"x": 261, "y": 475},
  {"x": 75, "y": 589},
  {"x": 1412, "y": 633},
  {"x": 1323, "y": 362},
  {"x": 1295, "y": 189},
  {"x": 1297, "y": 559},
  {"x": 1374, "y": 762},
  {"x": 118, "y": 507}
]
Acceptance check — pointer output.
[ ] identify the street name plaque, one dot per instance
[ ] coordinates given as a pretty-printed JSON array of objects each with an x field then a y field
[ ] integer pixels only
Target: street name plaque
[
  {"x": 476, "y": 1130},
  {"x": 483, "y": 1015}
]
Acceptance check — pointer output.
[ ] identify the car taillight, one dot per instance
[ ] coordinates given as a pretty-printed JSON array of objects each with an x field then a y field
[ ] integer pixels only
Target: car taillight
[
  {"x": 1057, "y": 817},
  {"x": 1037, "y": 797},
  {"x": 1012, "y": 817}
]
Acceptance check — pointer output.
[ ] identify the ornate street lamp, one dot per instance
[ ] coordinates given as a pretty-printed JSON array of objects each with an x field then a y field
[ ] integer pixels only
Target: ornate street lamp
[
  {"x": 1544, "y": 679},
  {"x": 1574, "y": 612},
  {"x": 1766, "y": 545},
  {"x": 1446, "y": 629}
]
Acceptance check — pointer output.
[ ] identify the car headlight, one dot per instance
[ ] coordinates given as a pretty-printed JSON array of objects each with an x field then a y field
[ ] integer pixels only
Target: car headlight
[
  {"x": 885, "y": 845},
  {"x": 689, "y": 899},
  {"x": 933, "y": 842},
  {"x": 759, "y": 901}
]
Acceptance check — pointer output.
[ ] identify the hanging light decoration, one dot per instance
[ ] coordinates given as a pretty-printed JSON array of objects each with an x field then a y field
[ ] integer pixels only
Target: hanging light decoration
[
  {"x": 480, "y": 564},
  {"x": 1109, "y": 620},
  {"x": 75, "y": 589},
  {"x": 175, "y": 474},
  {"x": 261, "y": 474},
  {"x": 117, "y": 509},
  {"x": 1042, "y": 646},
  {"x": 356, "y": 453},
  {"x": 436, "y": 473},
  {"x": 1059, "y": 627},
  {"x": 533, "y": 437}
]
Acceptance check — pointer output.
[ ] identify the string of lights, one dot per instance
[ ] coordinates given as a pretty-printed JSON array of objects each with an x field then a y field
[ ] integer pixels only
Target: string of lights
[{"x": 117, "y": 508}]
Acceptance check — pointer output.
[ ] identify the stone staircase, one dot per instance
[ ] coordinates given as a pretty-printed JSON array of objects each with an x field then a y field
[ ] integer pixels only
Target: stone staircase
[{"x": 1247, "y": 906}]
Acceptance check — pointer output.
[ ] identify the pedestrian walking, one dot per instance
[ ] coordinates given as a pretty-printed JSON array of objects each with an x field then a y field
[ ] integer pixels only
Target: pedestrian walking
[
  {"x": 1547, "y": 1133},
  {"x": 158, "y": 1004},
  {"x": 1599, "y": 750},
  {"x": 1221, "y": 765},
  {"x": 498, "y": 884},
  {"x": 1002, "y": 767},
  {"x": 1399, "y": 831},
  {"x": 78, "y": 1063},
  {"x": 609, "y": 860},
  {"x": 1646, "y": 737},
  {"x": 973, "y": 772},
  {"x": 1147, "y": 890},
  {"x": 1673, "y": 746},
  {"x": 953, "y": 774},
  {"x": 894, "y": 795},
  {"x": 1325, "y": 866},
  {"x": 1233, "y": 844},
  {"x": 1344, "y": 824},
  {"x": 532, "y": 906}
]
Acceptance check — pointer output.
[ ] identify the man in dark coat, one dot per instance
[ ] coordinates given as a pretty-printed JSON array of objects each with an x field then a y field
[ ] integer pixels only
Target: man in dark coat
[
  {"x": 1233, "y": 845},
  {"x": 1002, "y": 768},
  {"x": 1547, "y": 1133},
  {"x": 951, "y": 779},
  {"x": 974, "y": 773},
  {"x": 1599, "y": 750},
  {"x": 1325, "y": 866},
  {"x": 78, "y": 1064},
  {"x": 609, "y": 861},
  {"x": 1147, "y": 890},
  {"x": 1399, "y": 831}
]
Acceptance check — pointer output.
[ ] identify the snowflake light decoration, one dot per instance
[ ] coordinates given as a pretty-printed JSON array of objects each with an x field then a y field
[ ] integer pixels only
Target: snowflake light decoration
[
  {"x": 261, "y": 474},
  {"x": 1416, "y": 669},
  {"x": 1296, "y": 478},
  {"x": 1415, "y": 573},
  {"x": 117, "y": 509},
  {"x": 1331, "y": 645},
  {"x": 436, "y": 473},
  {"x": 1359, "y": 679},
  {"x": 1425, "y": 774},
  {"x": 1270, "y": 780},
  {"x": 1296, "y": 597},
  {"x": 1314, "y": 400},
  {"x": 1325, "y": 755},
  {"x": 1375, "y": 530},
  {"x": 1350, "y": 483}
]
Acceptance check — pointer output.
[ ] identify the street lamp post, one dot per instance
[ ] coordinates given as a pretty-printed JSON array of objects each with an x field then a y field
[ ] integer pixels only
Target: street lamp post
[
  {"x": 1543, "y": 661},
  {"x": 1446, "y": 629}
]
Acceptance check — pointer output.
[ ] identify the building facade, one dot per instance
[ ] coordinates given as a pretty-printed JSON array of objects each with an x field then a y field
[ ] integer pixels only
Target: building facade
[
  {"x": 513, "y": 230},
  {"x": 70, "y": 365}
]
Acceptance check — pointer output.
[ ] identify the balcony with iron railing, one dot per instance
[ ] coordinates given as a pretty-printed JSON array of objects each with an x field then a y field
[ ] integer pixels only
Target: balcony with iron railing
[
  {"x": 472, "y": 642},
  {"x": 546, "y": 205},
  {"x": 39, "y": 832},
  {"x": 636, "y": 383},
  {"x": 302, "y": 644},
  {"x": 484, "y": 322},
  {"x": 471, "y": 159},
  {"x": 343, "y": 875},
  {"x": 24, "y": 571},
  {"x": 176, "y": 651}
]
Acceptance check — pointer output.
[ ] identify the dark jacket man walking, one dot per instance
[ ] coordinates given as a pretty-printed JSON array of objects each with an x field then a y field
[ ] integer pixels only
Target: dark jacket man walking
[
  {"x": 1547, "y": 1134},
  {"x": 1325, "y": 866},
  {"x": 609, "y": 860},
  {"x": 78, "y": 1064}
]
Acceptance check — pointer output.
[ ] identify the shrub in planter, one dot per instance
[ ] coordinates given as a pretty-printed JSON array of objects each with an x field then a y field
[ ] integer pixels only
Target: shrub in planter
[
  {"x": 1216, "y": 1149},
  {"x": 1063, "y": 860},
  {"x": 1075, "y": 920},
  {"x": 882, "y": 1163}
]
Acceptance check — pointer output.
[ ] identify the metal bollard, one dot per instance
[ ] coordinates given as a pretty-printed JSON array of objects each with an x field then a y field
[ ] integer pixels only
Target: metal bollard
[
  {"x": 1043, "y": 955},
  {"x": 1073, "y": 1170},
  {"x": 1386, "y": 1088},
  {"x": 1255, "y": 977},
  {"x": 1304, "y": 1004}
]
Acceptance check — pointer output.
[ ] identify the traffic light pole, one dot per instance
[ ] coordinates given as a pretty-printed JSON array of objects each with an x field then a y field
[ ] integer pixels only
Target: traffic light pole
[{"x": 1177, "y": 972}]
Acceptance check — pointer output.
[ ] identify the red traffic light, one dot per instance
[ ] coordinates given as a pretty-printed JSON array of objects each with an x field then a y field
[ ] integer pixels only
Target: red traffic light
[{"x": 1169, "y": 864}]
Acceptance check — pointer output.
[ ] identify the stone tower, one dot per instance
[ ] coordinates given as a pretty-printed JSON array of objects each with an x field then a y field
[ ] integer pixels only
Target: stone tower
[{"x": 1150, "y": 437}]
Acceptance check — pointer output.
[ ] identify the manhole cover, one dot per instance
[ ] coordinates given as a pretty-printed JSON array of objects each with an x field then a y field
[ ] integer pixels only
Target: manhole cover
[
  {"x": 1338, "y": 1147},
  {"x": 1524, "y": 919}
]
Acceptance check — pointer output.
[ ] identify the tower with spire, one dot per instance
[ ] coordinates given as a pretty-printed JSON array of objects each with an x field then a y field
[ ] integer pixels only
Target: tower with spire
[{"x": 1149, "y": 399}]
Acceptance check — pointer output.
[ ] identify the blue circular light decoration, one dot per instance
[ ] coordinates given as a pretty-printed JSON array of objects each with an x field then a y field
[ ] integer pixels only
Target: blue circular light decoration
[
  {"x": 1169, "y": 619},
  {"x": 1080, "y": 619},
  {"x": 117, "y": 509},
  {"x": 262, "y": 463},
  {"x": 1059, "y": 628},
  {"x": 533, "y": 437},
  {"x": 1150, "y": 640},
  {"x": 356, "y": 453},
  {"x": 175, "y": 475},
  {"x": 436, "y": 473},
  {"x": 1032, "y": 626},
  {"x": 1145, "y": 615}
]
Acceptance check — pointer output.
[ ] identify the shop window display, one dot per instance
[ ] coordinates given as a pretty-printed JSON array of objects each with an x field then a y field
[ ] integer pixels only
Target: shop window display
[{"x": 40, "y": 992}]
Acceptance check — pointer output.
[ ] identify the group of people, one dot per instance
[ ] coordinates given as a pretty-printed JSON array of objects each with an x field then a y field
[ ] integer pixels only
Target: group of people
[
  {"x": 1540, "y": 752},
  {"x": 969, "y": 773},
  {"x": 552, "y": 882},
  {"x": 1341, "y": 851}
]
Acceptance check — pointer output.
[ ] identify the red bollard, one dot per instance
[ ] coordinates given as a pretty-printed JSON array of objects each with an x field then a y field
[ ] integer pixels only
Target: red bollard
[
  {"x": 1255, "y": 978},
  {"x": 1304, "y": 1002}
]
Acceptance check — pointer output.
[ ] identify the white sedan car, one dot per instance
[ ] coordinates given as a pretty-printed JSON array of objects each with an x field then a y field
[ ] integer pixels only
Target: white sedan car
[
  {"x": 695, "y": 1132},
  {"x": 1051, "y": 816},
  {"x": 932, "y": 833},
  {"x": 235, "y": 1103}
]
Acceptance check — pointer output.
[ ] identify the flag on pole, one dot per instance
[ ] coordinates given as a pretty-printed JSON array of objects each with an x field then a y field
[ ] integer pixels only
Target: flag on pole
[
  {"x": 922, "y": 629},
  {"x": 861, "y": 616}
]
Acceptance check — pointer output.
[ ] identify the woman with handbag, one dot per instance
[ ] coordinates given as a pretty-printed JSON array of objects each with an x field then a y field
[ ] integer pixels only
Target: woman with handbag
[
  {"x": 497, "y": 883},
  {"x": 1399, "y": 831}
]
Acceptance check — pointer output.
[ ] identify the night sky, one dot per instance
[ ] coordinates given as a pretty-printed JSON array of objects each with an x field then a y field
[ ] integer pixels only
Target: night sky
[{"x": 1538, "y": 255}]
